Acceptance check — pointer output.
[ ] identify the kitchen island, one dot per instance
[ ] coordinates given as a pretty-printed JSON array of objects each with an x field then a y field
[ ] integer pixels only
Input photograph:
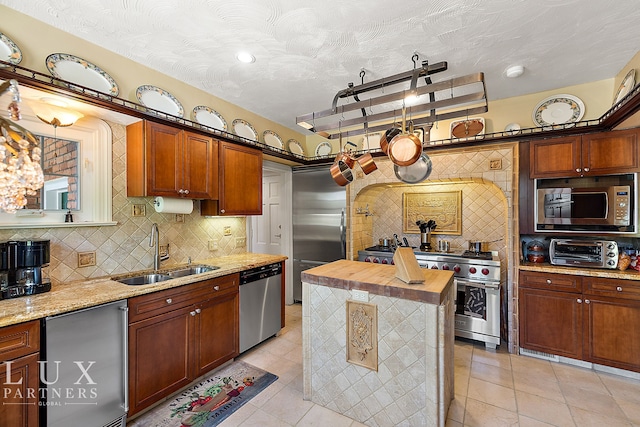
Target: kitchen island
[{"x": 353, "y": 311}]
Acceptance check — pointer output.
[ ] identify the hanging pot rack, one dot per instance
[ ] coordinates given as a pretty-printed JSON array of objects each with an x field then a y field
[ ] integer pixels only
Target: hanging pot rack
[{"x": 457, "y": 97}]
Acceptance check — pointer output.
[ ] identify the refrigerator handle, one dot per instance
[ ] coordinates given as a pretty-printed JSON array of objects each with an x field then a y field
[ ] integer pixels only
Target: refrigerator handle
[
  {"x": 125, "y": 356},
  {"x": 343, "y": 234}
]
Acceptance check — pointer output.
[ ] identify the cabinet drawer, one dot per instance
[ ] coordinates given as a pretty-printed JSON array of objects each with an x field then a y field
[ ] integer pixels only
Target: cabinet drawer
[
  {"x": 19, "y": 340},
  {"x": 551, "y": 281},
  {"x": 626, "y": 289},
  {"x": 150, "y": 305}
]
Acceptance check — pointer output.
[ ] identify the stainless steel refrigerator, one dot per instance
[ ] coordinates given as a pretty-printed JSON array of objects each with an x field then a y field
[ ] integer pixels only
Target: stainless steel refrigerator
[{"x": 319, "y": 221}]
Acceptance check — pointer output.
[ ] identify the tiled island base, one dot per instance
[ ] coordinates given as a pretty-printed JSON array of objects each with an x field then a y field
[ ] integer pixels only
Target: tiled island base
[{"x": 413, "y": 385}]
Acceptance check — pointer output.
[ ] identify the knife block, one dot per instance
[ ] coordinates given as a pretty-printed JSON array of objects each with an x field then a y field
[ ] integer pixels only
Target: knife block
[{"x": 407, "y": 268}]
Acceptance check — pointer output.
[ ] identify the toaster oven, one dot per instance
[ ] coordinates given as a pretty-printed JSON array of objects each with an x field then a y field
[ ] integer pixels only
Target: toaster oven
[{"x": 584, "y": 253}]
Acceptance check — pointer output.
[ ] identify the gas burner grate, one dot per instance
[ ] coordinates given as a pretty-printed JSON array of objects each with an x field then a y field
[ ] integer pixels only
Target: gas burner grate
[
  {"x": 477, "y": 255},
  {"x": 379, "y": 248}
]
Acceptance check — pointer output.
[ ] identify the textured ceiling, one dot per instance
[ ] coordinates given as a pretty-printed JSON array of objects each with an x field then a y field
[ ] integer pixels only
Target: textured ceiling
[{"x": 306, "y": 51}]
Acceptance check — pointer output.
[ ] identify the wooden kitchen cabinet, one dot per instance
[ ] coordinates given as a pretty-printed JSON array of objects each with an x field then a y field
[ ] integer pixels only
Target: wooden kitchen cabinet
[
  {"x": 551, "y": 322},
  {"x": 170, "y": 162},
  {"x": 179, "y": 334},
  {"x": 585, "y": 318},
  {"x": 240, "y": 182},
  {"x": 20, "y": 345},
  {"x": 587, "y": 155}
]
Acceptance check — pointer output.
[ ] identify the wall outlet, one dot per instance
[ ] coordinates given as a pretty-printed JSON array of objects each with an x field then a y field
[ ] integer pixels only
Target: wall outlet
[
  {"x": 226, "y": 230},
  {"x": 241, "y": 242},
  {"x": 164, "y": 249},
  {"x": 213, "y": 245},
  {"x": 360, "y": 295}
]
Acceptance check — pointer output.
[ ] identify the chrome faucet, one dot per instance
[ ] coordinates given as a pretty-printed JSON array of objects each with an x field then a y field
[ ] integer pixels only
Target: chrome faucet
[{"x": 154, "y": 241}]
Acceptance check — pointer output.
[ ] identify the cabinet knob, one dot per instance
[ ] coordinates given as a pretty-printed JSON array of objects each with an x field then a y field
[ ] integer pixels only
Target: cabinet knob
[
  {"x": 169, "y": 300},
  {"x": 579, "y": 301},
  {"x": 221, "y": 210},
  {"x": 578, "y": 170},
  {"x": 619, "y": 288},
  {"x": 193, "y": 313},
  {"x": 180, "y": 191},
  {"x": 586, "y": 169},
  {"x": 198, "y": 311},
  {"x": 186, "y": 191},
  {"x": 216, "y": 288},
  {"x": 587, "y": 301},
  {"x": 548, "y": 281}
]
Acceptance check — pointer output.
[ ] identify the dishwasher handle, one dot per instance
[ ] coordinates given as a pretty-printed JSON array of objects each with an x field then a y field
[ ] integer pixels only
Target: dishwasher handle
[{"x": 260, "y": 273}]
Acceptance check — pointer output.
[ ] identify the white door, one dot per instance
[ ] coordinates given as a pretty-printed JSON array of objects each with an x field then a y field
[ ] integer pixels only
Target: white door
[
  {"x": 268, "y": 226},
  {"x": 271, "y": 232}
]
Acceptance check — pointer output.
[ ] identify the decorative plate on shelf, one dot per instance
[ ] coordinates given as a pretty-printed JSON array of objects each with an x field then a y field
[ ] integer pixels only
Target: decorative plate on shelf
[
  {"x": 209, "y": 117},
  {"x": 558, "y": 110},
  {"x": 295, "y": 147},
  {"x": 324, "y": 149},
  {"x": 272, "y": 139},
  {"x": 467, "y": 128},
  {"x": 159, "y": 99},
  {"x": 512, "y": 128},
  {"x": 77, "y": 70},
  {"x": 244, "y": 129},
  {"x": 628, "y": 83},
  {"x": 9, "y": 51}
]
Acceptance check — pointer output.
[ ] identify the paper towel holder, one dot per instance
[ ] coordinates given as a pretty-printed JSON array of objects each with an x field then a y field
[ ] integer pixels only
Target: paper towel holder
[{"x": 185, "y": 208}]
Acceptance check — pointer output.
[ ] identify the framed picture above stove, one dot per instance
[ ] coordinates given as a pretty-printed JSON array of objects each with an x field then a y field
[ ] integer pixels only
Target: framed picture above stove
[{"x": 444, "y": 207}]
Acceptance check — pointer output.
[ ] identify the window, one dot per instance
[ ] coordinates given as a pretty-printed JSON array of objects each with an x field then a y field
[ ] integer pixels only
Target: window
[{"x": 86, "y": 191}]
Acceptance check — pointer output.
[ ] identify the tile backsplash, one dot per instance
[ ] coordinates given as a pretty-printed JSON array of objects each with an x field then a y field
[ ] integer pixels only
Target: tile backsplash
[{"x": 125, "y": 246}]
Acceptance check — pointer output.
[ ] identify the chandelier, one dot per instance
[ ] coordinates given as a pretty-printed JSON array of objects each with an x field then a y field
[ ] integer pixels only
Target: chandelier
[{"x": 20, "y": 171}]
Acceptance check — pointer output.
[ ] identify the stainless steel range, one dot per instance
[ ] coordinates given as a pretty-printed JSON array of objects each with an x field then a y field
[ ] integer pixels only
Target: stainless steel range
[{"x": 477, "y": 280}]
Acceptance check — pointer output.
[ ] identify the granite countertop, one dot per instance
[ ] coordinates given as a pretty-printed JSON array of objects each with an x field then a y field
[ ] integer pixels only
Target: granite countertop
[
  {"x": 545, "y": 267},
  {"x": 380, "y": 279},
  {"x": 76, "y": 295}
]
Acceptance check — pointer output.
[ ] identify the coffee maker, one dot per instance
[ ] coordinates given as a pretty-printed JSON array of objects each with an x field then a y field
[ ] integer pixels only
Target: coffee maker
[{"x": 21, "y": 263}]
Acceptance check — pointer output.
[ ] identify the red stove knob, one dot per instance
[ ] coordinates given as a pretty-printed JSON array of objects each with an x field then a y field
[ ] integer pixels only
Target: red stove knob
[
  {"x": 485, "y": 271},
  {"x": 472, "y": 270},
  {"x": 367, "y": 259},
  {"x": 434, "y": 267},
  {"x": 456, "y": 268},
  {"x": 384, "y": 261},
  {"x": 445, "y": 267},
  {"x": 392, "y": 263},
  {"x": 376, "y": 261}
]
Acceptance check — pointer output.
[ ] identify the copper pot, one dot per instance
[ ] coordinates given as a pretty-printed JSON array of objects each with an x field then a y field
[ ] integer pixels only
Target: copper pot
[
  {"x": 366, "y": 163},
  {"x": 341, "y": 173},
  {"x": 405, "y": 149}
]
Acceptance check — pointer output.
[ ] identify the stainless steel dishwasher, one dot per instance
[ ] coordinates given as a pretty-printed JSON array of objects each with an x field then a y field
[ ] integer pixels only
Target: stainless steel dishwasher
[
  {"x": 260, "y": 304},
  {"x": 86, "y": 367}
]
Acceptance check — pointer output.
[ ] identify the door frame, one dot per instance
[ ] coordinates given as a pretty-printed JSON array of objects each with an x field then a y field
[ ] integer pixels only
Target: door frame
[{"x": 286, "y": 192}]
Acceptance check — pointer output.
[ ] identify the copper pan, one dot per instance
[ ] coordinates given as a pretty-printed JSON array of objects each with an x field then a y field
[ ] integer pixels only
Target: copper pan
[
  {"x": 387, "y": 137},
  {"x": 405, "y": 149},
  {"x": 366, "y": 163}
]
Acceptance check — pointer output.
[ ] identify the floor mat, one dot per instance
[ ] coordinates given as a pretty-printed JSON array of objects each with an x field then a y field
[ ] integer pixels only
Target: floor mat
[{"x": 211, "y": 401}]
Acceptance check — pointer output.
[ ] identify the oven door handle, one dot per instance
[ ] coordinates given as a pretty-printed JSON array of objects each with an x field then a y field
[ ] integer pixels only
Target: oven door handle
[{"x": 484, "y": 285}]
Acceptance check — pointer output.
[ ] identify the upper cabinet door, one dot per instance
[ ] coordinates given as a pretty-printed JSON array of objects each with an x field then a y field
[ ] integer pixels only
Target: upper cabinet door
[
  {"x": 240, "y": 182},
  {"x": 610, "y": 152},
  {"x": 164, "y": 159},
  {"x": 554, "y": 158},
  {"x": 200, "y": 166}
]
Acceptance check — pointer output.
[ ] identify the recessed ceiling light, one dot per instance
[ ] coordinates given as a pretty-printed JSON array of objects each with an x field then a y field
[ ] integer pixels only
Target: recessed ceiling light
[
  {"x": 514, "y": 71},
  {"x": 245, "y": 57}
]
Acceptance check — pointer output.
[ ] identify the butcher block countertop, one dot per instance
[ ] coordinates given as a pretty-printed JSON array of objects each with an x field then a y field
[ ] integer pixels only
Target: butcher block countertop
[
  {"x": 71, "y": 296},
  {"x": 380, "y": 279}
]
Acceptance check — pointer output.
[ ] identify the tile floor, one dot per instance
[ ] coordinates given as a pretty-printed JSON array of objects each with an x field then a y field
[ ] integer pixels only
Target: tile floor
[{"x": 493, "y": 388}]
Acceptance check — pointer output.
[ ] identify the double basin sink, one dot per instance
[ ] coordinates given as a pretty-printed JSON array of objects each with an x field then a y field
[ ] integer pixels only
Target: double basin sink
[{"x": 147, "y": 279}]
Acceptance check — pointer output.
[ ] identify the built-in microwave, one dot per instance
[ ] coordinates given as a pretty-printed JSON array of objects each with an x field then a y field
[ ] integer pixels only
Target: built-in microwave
[{"x": 606, "y": 204}]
